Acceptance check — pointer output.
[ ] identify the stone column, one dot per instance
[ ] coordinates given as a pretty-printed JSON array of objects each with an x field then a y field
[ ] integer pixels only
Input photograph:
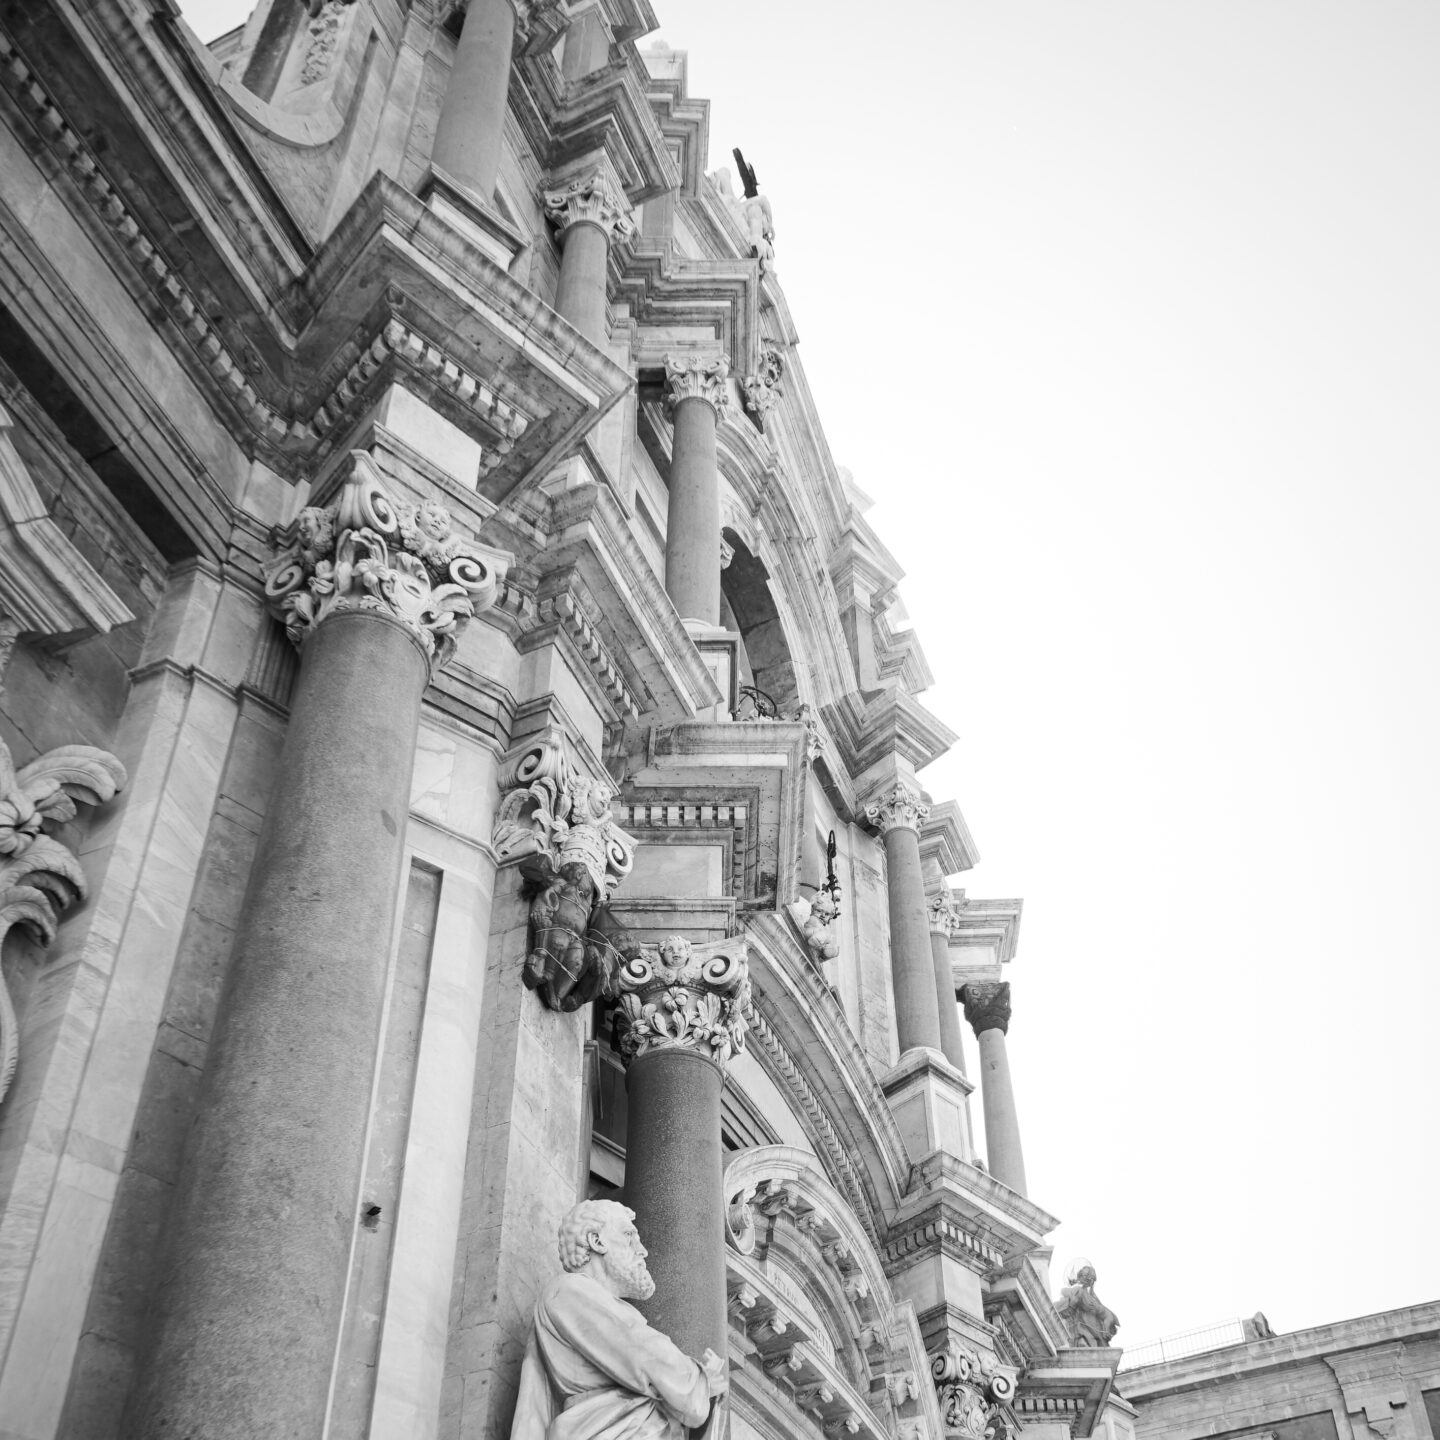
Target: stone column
[
  {"x": 471, "y": 127},
  {"x": 898, "y": 815},
  {"x": 943, "y": 909},
  {"x": 587, "y": 212},
  {"x": 987, "y": 1008},
  {"x": 253, "y": 1273},
  {"x": 681, "y": 1016},
  {"x": 696, "y": 392}
]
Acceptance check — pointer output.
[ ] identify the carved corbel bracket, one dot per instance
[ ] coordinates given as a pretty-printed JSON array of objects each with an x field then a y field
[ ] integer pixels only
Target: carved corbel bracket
[{"x": 39, "y": 877}]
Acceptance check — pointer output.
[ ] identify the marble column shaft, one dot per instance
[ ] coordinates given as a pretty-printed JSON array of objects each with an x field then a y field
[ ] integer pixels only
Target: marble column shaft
[
  {"x": 987, "y": 1008},
  {"x": 692, "y": 533},
  {"x": 588, "y": 211},
  {"x": 951, "y": 1041},
  {"x": 673, "y": 1166},
  {"x": 471, "y": 128},
  {"x": 253, "y": 1280},
  {"x": 898, "y": 815},
  {"x": 673, "y": 1182}
]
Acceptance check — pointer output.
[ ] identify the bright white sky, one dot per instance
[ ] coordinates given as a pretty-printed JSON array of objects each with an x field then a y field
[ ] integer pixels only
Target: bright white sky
[{"x": 1126, "y": 312}]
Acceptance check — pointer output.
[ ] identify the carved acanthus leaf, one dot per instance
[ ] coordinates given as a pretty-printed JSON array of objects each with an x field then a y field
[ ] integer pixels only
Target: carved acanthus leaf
[
  {"x": 987, "y": 1007},
  {"x": 591, "y": 199},
  {"x": 679, "y": 995},
  {"x": 946, "y": 909},
  {"x": 368, "y": 551},
  {"x": 902, "y": 806},
  {"x": 39, "y": 877},
  {"x": 689, "y": 377},
  {"x": 974, "y": 1391}
]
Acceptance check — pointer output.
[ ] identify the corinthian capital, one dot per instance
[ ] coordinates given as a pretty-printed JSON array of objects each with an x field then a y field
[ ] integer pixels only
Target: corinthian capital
[
  {"x": 946, "y": 908},
  {"x": 682, "y": 996},
  {"x": 987, "y": 1007},
  {"x": 903, "y": 805},
  {"x": 592, "y": 199},
  {"x": 368, "y": 551},
  {"x": 689, "y": 377}
]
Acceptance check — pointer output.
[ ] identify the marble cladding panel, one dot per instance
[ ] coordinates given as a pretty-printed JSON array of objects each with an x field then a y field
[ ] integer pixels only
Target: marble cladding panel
[{"x": 876, "y": 1029}]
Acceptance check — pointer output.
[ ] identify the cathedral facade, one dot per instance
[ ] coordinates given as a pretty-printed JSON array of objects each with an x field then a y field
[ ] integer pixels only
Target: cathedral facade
[{"x": 459, "y": 756}]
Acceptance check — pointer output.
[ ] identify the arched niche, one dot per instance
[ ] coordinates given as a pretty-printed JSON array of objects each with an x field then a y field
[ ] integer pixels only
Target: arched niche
[
  {"x": 748, "y": 603},
  {"x": 822, "y": 1345}
]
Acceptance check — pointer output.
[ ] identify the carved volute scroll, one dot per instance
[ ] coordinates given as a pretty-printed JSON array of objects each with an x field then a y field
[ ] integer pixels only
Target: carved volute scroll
[
  {"x": 946, "y": 908},
  {"x": 369, "y": 551},
  {"x": 987, "y": 1007},
  {"x": 974, "y": 1391},
  {"x": 556, "y": 821},
  {"x": 679, "y": 995},
  {"x": 690, "y": 377},
  {"x": 39, "y": 877},
  {"x": 903, "y": 805},
  {"x": 591, "y": 199}
]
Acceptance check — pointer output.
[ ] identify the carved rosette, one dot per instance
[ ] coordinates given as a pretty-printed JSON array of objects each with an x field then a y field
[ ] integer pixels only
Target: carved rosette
[
  {"x": 946, "y": 910},
  {"x": 591, "y": 199},
  {"x": 682, "y": 996},
  {"x": 903, "y": 806},
  {"x": 987, "y": 1007},
  {"x": 689, "y": 377},
  {"x": 974, "y": 1392},
  {"x": 39, "y": 877},
  {"x": 368, "y": 551}
]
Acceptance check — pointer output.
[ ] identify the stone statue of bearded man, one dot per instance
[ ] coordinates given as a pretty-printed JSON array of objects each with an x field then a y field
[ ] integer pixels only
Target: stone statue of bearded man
[{"x": 594, "y": 1369}]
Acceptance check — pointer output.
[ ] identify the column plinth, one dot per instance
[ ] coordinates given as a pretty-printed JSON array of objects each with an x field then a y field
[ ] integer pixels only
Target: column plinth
[
  {"x": 681, "y": 1016},
  {"x": 987, "y": 1008},
  {"x": 248, "y": 1308},
  {"x": 696, "y": 392},
  {"x": 471, "y": 128},
  {"x": 898, "y": 815}
]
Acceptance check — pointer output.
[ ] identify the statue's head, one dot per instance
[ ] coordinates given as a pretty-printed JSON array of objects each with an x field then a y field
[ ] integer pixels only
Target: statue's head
[{"x": 599, "y": 1238}]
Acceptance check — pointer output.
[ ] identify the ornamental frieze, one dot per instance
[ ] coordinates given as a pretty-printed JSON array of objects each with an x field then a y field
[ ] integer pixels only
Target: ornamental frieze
[
  {"x": 371, "y": 552},
  {"x": 39, "y": 877},
  {"x": 677, "y": 995}
]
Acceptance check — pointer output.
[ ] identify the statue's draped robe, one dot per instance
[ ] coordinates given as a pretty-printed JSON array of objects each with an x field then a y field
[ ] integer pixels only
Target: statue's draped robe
[{"x": 594, "y": 1370}]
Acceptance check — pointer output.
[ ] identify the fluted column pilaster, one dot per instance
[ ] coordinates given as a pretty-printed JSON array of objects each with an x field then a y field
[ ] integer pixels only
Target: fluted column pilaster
[
  {"x": 682, "y": 1014},
  {"x": 697, "y": 396},
  {"x": 254, "y": 1266},
  {"x": 898, "y": 814},
  {"x": 987, "y": 1008}
]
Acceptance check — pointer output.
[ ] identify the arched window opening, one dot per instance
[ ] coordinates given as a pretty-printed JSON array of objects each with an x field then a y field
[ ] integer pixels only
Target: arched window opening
[{"x": 748, "y": 606}]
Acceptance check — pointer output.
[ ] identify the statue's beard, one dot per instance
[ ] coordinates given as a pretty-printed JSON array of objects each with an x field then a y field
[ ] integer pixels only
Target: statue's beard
[{"x": 636, "y": 1282}]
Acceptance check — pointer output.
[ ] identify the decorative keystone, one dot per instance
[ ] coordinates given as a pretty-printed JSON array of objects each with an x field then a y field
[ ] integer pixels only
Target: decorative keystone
[
  {"x": 683, "y": 996},
  {"x": 903, "y": 806},
  {"x": 689, "y": 377},
  {"x": 368, "y": 551}
]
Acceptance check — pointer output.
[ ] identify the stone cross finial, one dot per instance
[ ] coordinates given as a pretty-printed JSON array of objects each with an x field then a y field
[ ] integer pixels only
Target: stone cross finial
[
  {"x": 681, "y": 995},
  {"x": 692, "y": 377},
  {"x": 903, "y": 805},
  {"x": 369, "y": 551},
  {"x": 987, "y": 1007},
  {"x": 591, "y": 199}
]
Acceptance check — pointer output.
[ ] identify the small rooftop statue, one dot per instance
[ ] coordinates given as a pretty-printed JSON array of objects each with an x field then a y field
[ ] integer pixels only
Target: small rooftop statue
[
  {"x": 1089, "y": 1322},
  {"x": 594, "y": 1369},
  {"x": 758, "y": 218}
]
